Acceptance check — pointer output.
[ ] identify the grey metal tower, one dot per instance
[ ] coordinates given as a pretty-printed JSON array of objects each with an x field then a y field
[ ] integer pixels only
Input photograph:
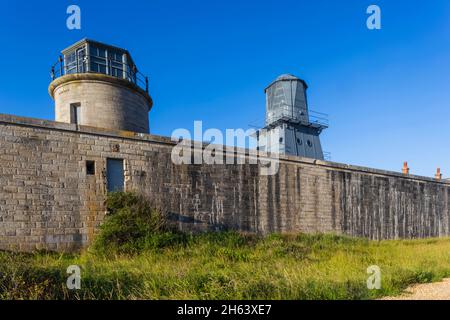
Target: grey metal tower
[{"x": 287, "y": 112}]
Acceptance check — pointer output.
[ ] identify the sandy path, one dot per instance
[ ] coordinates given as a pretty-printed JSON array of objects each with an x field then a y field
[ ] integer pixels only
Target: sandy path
[{"x": 427, "y": 291}]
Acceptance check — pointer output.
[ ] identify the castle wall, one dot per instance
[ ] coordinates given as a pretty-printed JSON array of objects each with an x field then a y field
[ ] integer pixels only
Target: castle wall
[{"x": 47, "y": 200}]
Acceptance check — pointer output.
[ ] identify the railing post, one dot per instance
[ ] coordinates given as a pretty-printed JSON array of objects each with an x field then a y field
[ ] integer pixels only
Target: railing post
[
  {"x": 108, "y": 66},
  {"x": 61, "y": 70},
  {"x": 146, "y": 84},
  {"x": 53, "y": 73},
  {"x": 133, "y": 74}
]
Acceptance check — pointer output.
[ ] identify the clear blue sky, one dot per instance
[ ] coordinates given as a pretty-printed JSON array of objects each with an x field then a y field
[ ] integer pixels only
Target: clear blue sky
[{"x": 387, "y": 92}]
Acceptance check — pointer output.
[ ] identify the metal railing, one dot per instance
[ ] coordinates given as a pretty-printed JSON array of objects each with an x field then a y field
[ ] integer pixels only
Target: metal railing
[
  {"x": 319, "y": 118},
  {"x": 314, "y": 117},
  {"x": 83, "y": 65},
  {"x": 290, "y": 114}
]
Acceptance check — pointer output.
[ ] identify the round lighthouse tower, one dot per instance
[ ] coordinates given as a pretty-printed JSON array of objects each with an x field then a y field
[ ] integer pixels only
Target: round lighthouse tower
[{"x": 95, "y": 84}]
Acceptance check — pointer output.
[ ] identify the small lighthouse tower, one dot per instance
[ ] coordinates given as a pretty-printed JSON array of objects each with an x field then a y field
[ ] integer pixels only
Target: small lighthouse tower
[
  {"x": 99, "y": 85},
  {"x": 287, "y": 112}
]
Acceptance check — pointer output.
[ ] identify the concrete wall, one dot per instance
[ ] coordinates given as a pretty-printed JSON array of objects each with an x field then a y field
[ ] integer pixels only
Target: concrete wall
[
  {"x": 105, "y": 101},
  {"x": 48, "y": 201}
]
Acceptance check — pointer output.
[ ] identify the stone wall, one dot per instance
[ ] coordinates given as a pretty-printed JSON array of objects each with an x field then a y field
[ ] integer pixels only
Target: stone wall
[{"x": 47, "y": 200}]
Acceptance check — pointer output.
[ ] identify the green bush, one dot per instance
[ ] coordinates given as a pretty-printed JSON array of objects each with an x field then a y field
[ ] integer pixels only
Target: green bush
[{"x": 132, "y": 225}]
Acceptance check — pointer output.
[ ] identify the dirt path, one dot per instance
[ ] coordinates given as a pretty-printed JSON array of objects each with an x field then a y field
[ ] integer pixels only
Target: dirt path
[{"x": 427, "y": 291}]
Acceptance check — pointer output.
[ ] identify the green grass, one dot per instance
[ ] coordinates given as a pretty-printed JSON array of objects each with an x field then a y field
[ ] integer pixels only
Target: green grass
[
  {"x": 137, "y": 255},
  {"x": 231, "y": 266}
]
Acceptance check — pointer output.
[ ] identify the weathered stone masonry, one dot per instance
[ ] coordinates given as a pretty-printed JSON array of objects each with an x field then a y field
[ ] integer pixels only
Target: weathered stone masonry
[{"x": 47, "y": 200}]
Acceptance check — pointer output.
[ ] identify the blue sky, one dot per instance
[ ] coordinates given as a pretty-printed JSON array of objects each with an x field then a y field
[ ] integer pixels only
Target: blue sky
[{"x": 387, "y": 91}]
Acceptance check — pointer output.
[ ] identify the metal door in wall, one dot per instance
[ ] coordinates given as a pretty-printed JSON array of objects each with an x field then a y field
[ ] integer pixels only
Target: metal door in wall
[{"x": 115, "y": 175}]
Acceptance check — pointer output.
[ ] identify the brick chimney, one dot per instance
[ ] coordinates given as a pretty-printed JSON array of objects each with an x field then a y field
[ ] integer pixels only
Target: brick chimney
[
  {"x": 438, "y": 175},
  {"x": 405, "y": 169}
]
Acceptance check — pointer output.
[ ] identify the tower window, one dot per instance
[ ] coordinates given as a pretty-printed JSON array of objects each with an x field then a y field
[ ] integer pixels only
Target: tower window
[
  {"x": 90, "y": 167},
  {"x": 309, "y": 143},
  {"x": 75, "y": 113}
]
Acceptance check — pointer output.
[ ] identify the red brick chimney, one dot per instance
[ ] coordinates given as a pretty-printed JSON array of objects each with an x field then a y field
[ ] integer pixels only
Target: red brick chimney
[
  {"x": 438, "y": 175},
  {"x": 405, "y": 169}
]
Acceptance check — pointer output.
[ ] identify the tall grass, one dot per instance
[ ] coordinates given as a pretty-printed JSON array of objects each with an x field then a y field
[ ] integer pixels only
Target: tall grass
[{"x": 225, "y": 265}]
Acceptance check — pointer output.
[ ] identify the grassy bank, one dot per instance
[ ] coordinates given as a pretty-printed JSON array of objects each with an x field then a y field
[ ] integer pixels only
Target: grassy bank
[
  {"x": 137, "y": 255},
  {"x": 232, "y": 266}
]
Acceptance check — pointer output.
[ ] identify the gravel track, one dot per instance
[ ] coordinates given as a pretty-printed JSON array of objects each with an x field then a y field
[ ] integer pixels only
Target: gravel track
[{"x": 427, "y": 291}]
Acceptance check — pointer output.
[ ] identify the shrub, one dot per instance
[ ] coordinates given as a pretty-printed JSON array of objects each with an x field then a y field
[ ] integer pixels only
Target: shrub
[{"x": 132, "y": 225}]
